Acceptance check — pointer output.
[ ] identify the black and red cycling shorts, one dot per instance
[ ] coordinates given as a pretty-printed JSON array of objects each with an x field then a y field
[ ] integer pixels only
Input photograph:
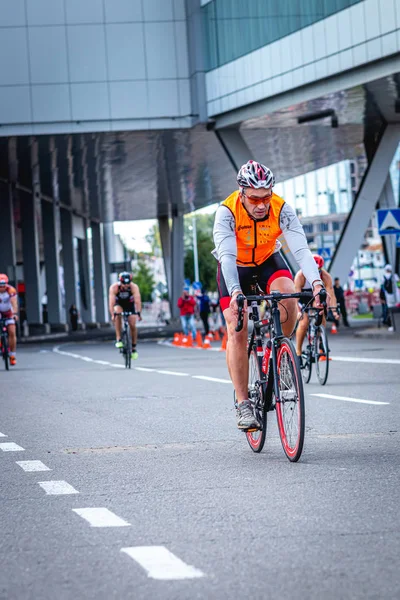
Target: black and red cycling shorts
[{"x": 274, "y": 267}]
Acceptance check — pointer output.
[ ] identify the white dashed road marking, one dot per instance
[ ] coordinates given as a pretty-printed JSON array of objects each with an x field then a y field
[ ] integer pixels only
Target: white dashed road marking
[
  {"x": 160, "y": 563},
  {"x": 100, "y": 517},
  {"x": 57, "y": 488},
  {"x": 145, "y": 369},
  {"x": 32, "y": 465},
  {"x": 10, "y": 447},
  {"x": 3, "y": 435},
  {"x": 348, "y": 399}
]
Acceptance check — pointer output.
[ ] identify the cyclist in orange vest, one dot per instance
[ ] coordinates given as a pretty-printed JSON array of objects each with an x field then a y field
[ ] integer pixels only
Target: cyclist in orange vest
[{"x": 246, "y": 231}]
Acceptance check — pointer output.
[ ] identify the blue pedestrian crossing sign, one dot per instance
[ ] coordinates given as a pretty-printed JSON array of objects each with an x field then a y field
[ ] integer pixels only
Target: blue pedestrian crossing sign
[
  {"x": 398, "y": 240},
  {"x": 326, "y": 253},
  {"x": 388, "y": 221}
]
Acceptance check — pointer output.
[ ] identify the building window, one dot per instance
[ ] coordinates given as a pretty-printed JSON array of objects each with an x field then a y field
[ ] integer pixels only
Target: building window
[
  {"x": 233, "y": 28},
  {"x": 336, "y": 226},
  {"x": 308, "y": 228},
  {"x": 323, "y": 227}
]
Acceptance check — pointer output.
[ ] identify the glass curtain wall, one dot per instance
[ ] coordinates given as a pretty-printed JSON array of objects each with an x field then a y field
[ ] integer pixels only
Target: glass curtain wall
[{"x": 233, "y": 28}]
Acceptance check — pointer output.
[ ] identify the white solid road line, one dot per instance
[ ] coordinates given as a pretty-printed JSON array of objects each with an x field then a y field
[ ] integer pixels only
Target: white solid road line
[
  {"x": 348, "y": 399},
  {"x": 173, "y": 373},
  {"x": 144, "y": 369},
  {"x": 217, "y": 379},
  {"x": 57, "y": 488},
  {"x": 160, "y": 563},
  {"x": 376, "y": 361},
  {"x": 32, "y": 465},
  {"x": 3, "y": 434},
  {"x": 100, "y": 517},
  {"x": 10, "y": 447}
]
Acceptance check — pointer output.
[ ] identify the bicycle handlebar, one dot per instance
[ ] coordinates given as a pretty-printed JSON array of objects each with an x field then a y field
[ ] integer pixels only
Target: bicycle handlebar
[{"x": 275, "y": 297}]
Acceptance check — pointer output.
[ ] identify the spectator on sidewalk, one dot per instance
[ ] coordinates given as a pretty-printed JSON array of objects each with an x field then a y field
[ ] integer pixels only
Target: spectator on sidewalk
[
  {"x": 204, "y": 302},
  {"x": 187, "y": 305},
  {"x": 73, "y": 316},
  {"x": 339, "y": 294},
  {"x": 390, "y": 287}
]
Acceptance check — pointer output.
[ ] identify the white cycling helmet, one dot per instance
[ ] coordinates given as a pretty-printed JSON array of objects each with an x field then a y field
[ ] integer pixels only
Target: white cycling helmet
[{"x": 255, "y": 175}]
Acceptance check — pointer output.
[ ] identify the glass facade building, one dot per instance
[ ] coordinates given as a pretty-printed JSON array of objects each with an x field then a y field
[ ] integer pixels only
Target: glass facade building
[{"x": 233, "y": 28}]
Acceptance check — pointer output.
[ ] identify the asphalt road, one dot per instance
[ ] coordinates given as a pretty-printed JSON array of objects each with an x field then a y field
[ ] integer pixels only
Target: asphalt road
[{"x": 160, "y": 497}]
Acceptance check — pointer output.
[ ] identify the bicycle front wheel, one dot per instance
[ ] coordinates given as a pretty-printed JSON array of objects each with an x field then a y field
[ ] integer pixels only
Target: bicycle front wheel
[
  {"x": 322, "y": 354},
  {"x": 256, "y": 438},
  {"x": 6, "y": 358},
  {"x": 290, "y": 404}
]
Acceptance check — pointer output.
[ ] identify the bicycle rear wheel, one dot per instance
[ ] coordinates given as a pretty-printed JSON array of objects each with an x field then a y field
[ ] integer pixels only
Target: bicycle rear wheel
[
  {"x": 306, "y": 359},
  {"x": 256, "y": 438},
  {"x": 322, "y": 354},
  {"x": 128, "y": 349},
  {"x": 4, "y": 350},
  {"x": 290, "y": 404}
]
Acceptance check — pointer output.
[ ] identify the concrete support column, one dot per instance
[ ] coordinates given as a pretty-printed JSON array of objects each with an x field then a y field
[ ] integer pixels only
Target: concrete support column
[
  {"x": 100, "y": 289},
  {"x": 84, "y": 279},
  {"x": 235, "y": 147},
  {"x": 30, "y": 252},
  {"x": 367, "y": 197},
  {"x": 52, "y": 263},
  {"x": 165, "y": 237},
  {"x": 68, "y": 258},
  {"x": 7, "y": 232},
  {"x": 177, "y": 262}
]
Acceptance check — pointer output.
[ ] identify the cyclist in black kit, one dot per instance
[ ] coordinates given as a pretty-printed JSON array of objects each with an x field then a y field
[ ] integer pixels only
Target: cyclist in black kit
[{"x": 124, "y": 296}]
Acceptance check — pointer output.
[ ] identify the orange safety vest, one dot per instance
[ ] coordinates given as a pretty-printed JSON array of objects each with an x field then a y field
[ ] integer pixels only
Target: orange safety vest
[{"x": 255, "y": 239}]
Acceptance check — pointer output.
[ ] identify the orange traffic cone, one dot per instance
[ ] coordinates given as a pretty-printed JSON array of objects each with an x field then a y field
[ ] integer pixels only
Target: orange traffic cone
[
  {"x": 177, "y": 339},
  {"x": 199, "y": 340},
  {"x": 206, "y": 344},
  {"x": 190, "y": 341},
  {"x": 224, "y": 341},
  {"x": 217, "y": 337},
  {"x": 334, "y": 329}
]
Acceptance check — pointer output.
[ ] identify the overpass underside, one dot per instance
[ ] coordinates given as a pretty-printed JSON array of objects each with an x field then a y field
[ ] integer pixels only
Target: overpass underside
[{"x": 54, "y": 189}]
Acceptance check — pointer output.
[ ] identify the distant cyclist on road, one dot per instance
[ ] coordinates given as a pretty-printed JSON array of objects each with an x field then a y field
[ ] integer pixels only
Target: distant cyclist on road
[
  {"x": 246, "y": 231},
  {"x": 9, "y": 312},
  {"x": 302, "y": 285},
  {"x": 124, "y": 296}
]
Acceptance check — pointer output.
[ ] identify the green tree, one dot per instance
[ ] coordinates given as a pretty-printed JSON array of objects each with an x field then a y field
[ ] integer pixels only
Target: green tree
[
  {"x": 143, "y": 277},
  {"x": 153, "y": 238}
]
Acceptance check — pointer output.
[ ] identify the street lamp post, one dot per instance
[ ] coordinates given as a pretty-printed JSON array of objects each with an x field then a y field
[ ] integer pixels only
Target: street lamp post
[{"x": 195, "y": 252}]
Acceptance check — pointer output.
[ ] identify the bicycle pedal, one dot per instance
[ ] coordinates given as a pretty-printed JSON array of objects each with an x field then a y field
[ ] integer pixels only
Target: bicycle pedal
[{"x": 252, "y": 430}]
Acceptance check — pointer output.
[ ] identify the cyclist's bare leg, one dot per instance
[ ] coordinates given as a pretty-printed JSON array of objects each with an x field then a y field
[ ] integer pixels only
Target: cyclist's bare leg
[
  {"x": 288, "y": 316},
  {"x": 132, "y": 324},
  {"x": 118, "y": 322},
  {"x": 12, "y": 338},
  {"x": 236, "y": 355},
  {"x": 301, "y": 333}
]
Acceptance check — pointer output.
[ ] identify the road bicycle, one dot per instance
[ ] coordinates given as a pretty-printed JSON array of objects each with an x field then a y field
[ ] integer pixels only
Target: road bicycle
[
  {"x": 126, "y": 338},
  {"x": 5, "y": 351},
  {"x": 275, "y": 381},
  {"x": 317, "y": 348}
]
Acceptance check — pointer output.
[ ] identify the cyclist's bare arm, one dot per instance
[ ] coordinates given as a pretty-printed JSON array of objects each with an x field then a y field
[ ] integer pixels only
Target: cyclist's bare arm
[
  {"x": 331, "y": 298},
  {"x": 112, "y": 294},
  {"x": 299, "y": 281},
  {"x": 137, "y": 298},
  {"x": 14, "y": 305}
]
